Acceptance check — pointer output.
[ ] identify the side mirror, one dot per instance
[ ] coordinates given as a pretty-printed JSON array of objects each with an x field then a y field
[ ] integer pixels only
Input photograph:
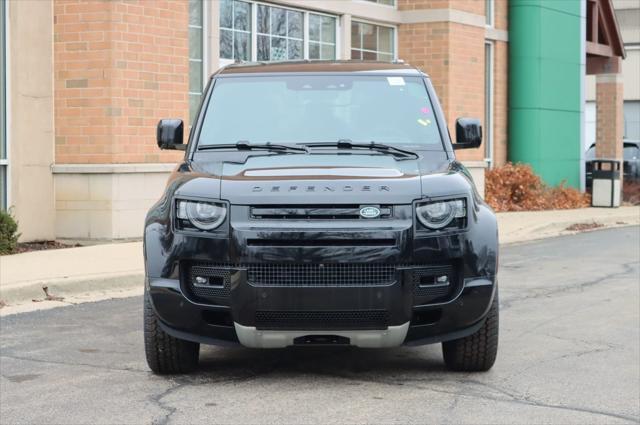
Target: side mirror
[
  {"x": 468, "y": 133},
  {"x": 170, "y": 134}
]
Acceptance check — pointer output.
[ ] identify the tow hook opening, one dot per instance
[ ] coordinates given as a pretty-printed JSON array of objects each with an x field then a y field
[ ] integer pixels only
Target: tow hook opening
[{"x": 321, "y": 340}]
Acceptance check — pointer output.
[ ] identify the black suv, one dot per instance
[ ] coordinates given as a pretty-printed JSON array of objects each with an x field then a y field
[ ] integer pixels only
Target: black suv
[{"x": 320, "y": 203}]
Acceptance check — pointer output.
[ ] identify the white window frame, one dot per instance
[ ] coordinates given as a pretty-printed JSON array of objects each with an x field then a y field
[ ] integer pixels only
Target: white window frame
[
  {"x": 251, "y": 32},
  {"x": 205, "y": 57},
  {"x": 321, "y": 43},
  {"x": 205, "y": 29},
  {"x": 492, "y": 15},
  {"x": 488, "y": 130},
  {"x": 394, "y": 55},
  {"x": 6, "y": 163},
  {"x": 305, "y": 30},
  {"x": 205, "y": 42},
  {"x": 392, "y": 6}
]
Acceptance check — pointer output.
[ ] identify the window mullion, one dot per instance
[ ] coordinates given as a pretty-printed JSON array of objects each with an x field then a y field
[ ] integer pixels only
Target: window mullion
[
  {"x": 377, "y": 42},
  {"x": 254, "y": 32},
  {"x": 337, "y": 54},
  {"x": 305, "y": 36}
]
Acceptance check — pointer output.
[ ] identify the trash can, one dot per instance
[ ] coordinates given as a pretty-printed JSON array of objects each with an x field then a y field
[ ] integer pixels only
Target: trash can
[{"x": 606, "y": 183}]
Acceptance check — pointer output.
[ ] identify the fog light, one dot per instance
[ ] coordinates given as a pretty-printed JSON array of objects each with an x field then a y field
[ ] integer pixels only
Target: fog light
[
  {"x": 442, "y": 280},
  {"x": 200, "y": 280}
]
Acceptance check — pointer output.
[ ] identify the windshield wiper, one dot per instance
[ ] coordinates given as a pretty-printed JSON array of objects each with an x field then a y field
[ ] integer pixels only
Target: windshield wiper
[
  {"x": 379, "y": 147},
  {"x": 243, "y": 145}
]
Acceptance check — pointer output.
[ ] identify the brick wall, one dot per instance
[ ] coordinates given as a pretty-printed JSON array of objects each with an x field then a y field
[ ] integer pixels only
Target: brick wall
[
  {"x": 610, "y": 117},
  {"x": 501, "y": 14},
  {"x": 472, "y": 6},
  {"x": 453, "y": 56},
  {"x": 119, "y": 67},
  {"x": 423, "y": 4},
  {"x": 426, "y": 46}
]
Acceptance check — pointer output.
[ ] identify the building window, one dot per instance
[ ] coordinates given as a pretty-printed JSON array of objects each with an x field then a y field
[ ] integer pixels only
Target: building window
[
  {"x": 488, "y": 102},
  {"x": 235, "y": 30},
  {"x": 3, "y": 112},
  {"x": 277, "y": 33},
  {"x": 385, "y": 2},
  {"x": 489, "y": 11},
  {"x": 632, "y": 119},
  {"x": 196, "y": 55},
  {"x": 280, "y": 34},
  {"x": 322, "y": 37},
  {"x": 372, "y": 42}
]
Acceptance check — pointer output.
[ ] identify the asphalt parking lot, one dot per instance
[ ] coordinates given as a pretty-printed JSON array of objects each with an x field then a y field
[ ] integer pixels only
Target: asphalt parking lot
[{"x": 569, "y": 353}]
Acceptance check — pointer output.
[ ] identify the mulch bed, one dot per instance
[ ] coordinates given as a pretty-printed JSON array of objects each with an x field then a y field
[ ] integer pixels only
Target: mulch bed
[{"x": 42, "y": 245}]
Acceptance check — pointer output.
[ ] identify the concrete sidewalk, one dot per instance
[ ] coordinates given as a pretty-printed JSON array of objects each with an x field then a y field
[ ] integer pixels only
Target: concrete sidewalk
[{"x": 116, "y": 270}]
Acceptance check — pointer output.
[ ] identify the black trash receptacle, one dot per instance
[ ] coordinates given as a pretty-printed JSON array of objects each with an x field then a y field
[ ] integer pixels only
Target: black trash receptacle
[{"x": 606, "y": 183}]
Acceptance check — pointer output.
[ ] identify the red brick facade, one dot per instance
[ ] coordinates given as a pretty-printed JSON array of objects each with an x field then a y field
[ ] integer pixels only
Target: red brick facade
[
  {"x": 119, "y": 66},
  {"x": 610, "y": 125},
  {"x": 453, "y": 55}
]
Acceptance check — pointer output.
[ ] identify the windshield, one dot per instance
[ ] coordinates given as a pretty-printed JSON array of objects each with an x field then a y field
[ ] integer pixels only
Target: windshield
[{"x": 320, "y": 108}]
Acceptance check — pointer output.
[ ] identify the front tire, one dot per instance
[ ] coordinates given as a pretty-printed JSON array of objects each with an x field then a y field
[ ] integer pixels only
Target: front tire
[
  {"x": 166, "y": 354},
  {"x": 476, "y": 352}
]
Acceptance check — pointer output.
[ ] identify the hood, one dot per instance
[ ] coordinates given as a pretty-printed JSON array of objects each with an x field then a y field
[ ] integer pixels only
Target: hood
[{"x": 324, "y": 179}]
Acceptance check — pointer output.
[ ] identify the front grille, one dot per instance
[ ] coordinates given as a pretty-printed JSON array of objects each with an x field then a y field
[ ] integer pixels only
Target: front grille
[
  {"x": 316, "y": 212},
  {"x": 215, "y": 278},
  {"x": 322, "y": 320},
  {"x": 318, "y": 275}
]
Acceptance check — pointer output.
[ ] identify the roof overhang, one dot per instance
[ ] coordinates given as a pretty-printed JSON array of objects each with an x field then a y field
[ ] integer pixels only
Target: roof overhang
[{"x": 604, "y": 46}]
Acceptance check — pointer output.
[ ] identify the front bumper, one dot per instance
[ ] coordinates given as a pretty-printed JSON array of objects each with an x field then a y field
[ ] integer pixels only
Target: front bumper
[
  {"x": 283, "y": 283},
  {"x": 420, "y": 324}
]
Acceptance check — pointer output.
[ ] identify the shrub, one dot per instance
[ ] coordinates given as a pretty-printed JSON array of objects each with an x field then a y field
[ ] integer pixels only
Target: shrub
[
  {"x": 515, "y": 187},
  {"x": 8, "y": 233}
]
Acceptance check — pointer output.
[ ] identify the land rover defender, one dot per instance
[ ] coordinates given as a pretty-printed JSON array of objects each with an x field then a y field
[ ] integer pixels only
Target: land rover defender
[{"x": 320, "y": 203}]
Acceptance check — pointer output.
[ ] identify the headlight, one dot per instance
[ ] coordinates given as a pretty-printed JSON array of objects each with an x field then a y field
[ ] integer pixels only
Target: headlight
[
  {"x": 203, "y": 215},
  {"x": 437, "y": 215}
]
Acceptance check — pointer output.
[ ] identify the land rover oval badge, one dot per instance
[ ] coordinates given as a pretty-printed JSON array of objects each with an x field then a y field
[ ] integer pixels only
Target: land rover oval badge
[{"x": 369, "y": 212}]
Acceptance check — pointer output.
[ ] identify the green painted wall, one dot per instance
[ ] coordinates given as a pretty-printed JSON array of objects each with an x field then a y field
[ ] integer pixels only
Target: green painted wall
[{"x": 545, "y": 73}]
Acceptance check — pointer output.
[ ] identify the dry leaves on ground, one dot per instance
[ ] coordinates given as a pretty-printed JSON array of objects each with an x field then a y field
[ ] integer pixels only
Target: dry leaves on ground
[{"x": 515, "y": 187}]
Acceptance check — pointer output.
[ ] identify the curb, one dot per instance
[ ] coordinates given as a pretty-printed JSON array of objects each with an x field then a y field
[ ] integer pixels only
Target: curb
[{"x": 70, "y": 287}]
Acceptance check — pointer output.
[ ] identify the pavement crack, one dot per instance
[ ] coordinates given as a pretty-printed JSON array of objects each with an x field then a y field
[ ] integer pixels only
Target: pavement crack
[
  {"x": 547, "y": 292},
  {"x": 166, "y": 407},
  {"x": 507, "y": 396}
]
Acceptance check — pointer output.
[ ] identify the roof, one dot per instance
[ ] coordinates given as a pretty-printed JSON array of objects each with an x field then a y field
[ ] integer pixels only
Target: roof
[
  {"x": 318, "y": 66},
  {"x": 603, "y": 32}
]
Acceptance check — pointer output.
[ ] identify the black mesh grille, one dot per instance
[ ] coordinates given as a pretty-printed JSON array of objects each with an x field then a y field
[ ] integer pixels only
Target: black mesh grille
[
  {"x": 424, "y": 284},
  {"x": 212, "y": 289},
  {"x": 321, "y": 320},
  {"x": 321, "y": 274}
]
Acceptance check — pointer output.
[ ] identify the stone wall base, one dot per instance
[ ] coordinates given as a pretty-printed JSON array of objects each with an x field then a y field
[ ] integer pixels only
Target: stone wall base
[{"x": 106, "y": 201}]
